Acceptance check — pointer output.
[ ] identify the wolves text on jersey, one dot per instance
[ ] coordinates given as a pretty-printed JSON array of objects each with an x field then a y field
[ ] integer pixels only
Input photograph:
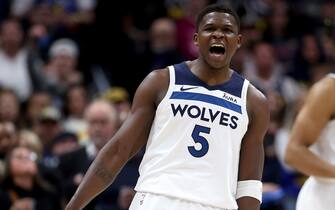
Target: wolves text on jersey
[{"x": 205, "y": 114}]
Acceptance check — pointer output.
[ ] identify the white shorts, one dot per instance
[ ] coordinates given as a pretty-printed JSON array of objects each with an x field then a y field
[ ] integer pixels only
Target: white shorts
[
  {"x": 317, "y": 194},
  {"x": 150, "y": 201}
]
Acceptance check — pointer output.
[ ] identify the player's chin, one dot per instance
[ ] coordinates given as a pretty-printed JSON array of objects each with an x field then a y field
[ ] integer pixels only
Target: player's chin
[{"x": 216, "y": 61}]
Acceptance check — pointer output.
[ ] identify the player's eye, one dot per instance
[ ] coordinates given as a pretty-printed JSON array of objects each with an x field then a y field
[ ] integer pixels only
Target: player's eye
[
  {"x": 228, "y": 30},
  {"x": 208, "y": 29}
]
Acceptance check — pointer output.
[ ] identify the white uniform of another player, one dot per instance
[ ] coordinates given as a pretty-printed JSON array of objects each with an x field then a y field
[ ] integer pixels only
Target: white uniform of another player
[
  {"x": 319, "y": 193},
  {"x": 192, "y": 154}
]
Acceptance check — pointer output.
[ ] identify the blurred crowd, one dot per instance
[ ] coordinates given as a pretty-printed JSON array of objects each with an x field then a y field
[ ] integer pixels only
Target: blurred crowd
[{"x": 69, "y": 69}]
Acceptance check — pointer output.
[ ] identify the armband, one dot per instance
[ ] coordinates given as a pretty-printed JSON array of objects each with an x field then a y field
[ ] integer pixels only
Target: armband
[{"x": 250, "y": 188}]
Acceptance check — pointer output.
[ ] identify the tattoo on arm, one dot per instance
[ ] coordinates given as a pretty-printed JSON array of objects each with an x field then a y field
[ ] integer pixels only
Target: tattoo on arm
[{"x": 102, "y": 172}]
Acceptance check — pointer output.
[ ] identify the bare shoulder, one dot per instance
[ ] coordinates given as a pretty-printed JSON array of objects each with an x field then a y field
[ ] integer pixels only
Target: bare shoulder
[
  {"x": 153, "y": 87},
  {"x": 320, "y": 99},
  {"x": 321, "y": 96},
  {"x": 325, "y": 85},
  {"x": 256, "y": 101},
  {"x": 159, "y": 74},
  {"x": 160, "y": 79}
]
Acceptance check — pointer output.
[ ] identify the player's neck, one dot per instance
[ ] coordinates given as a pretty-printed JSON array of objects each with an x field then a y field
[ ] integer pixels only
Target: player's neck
[{"x": 210, "y": 75}]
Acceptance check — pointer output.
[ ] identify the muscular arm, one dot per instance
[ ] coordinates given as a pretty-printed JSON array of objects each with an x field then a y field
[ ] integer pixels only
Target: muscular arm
[
  {"x": 125, "y": 143},
  {"x": 316, "y": 112},
  {"x": 252, "y": 152}
]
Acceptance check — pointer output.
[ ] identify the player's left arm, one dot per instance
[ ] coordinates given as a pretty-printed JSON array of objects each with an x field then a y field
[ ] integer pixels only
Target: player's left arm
[{"x": 252, "y": 151}]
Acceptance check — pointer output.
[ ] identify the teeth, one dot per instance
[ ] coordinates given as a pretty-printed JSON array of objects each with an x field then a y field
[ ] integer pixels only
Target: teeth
[{"x": 217, "y": 45}]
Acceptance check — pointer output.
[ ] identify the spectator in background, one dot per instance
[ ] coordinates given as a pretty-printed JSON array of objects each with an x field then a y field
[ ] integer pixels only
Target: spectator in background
[
  {"x": 9, "y": 107},
  {"x": 309, "y": 53},
  {"x": 20, "y": 67},
  {"x": 277, "y": 31},
  {"x": 8, "y": 138},
  {"x": 252, "y": 34},
  {"x": 29, "y": 139},
  {"x": 22, "y": 188},
  {"x": 61, "y": 70},
  {"x": 47, "y": 127},
  {"x": 163, "y": 43},
  {"x": 75, "y": 103},
  {"x": 42, "y": 29},
  {"x": 13, "y": 60},
  {"x": 36, "y": 103},
  {"x": 103, "y": 121},
  {"x": 268, "y": 74}
]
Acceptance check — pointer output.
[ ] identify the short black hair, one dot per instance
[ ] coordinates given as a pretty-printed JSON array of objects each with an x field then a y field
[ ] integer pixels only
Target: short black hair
[{"x": 216, "y": 8}]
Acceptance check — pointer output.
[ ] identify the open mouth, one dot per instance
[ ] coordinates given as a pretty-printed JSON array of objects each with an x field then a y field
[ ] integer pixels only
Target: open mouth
[{"x": 217, "y": 49}]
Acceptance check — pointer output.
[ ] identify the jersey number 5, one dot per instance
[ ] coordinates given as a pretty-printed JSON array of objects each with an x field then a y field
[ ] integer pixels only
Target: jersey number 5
[{"x": 198, "y": 129}]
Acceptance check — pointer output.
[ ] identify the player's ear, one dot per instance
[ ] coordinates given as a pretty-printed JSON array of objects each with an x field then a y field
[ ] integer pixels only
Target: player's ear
[
  {"x": 195, "y": 39},
  {"x": 239, "y": 41}
]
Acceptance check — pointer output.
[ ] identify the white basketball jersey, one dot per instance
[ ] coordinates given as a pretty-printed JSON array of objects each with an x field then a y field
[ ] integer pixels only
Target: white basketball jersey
[{"x": 194, "y": 145}]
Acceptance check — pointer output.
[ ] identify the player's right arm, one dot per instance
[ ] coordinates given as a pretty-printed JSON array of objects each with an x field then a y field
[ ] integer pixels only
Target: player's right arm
[
  {"x": 316, "y": 112},
  {"x": 252, "y": 152},
  {"x": 125, "y": 143}
]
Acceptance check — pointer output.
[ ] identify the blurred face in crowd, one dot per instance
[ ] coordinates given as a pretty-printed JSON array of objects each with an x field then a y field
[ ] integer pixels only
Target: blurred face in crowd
[
  {"x": 9, "y": 106},
  {"x": 41, "y": 14},
  {"x": 265, "y": 59},
  {"x": 163, "y": 35},
  {"x": 36, "y": 103},
  {"x": 22, "y": 162},
  {"x": 279, "y": 17},
  {"x": 328, "y": 45},
  {"x": 77, "y": 101},
  {"x": 102, "y": 121},
  {"x": 11, "y": 36},
  {"x": 47, "y": 129},
  {"x": 29, "y": 139},
  {"x": 310, "y": 49},
  {"x": 8, "y": 137},
  {"x": 64, "y": 64}
]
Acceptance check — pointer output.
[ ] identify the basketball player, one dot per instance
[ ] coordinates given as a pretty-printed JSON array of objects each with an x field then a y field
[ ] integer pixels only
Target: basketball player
[
  {"x": 203, "y": 126},
  {"x": 315, "y": 129}
]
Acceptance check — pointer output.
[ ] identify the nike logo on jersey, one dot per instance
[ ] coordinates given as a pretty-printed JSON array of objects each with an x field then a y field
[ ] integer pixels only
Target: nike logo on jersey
[{"x": 189, "y": 88}]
